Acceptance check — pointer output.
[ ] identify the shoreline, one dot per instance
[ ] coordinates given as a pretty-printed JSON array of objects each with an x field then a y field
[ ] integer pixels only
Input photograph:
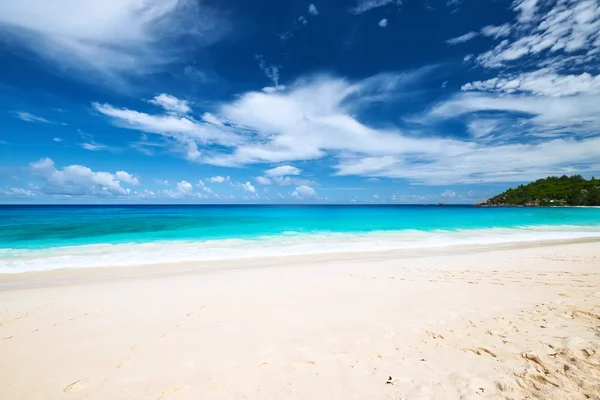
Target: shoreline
[
  {"x": 130, "y": 255},
  {"x": 62, "y": 276},
  {"x": 508, "y": 322}
]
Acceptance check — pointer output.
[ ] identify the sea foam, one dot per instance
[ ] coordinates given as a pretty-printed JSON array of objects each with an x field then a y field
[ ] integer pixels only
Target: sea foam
[{"x": 288, "y": 244}]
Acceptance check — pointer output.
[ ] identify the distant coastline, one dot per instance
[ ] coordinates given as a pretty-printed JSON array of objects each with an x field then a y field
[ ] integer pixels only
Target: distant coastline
[{"x": 564, "y": 191}]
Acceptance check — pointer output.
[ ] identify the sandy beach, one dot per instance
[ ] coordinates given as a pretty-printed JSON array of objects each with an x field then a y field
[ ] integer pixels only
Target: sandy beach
[{"x": 503, "y": 322}]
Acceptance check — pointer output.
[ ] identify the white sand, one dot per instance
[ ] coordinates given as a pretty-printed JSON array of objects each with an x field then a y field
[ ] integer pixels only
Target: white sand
[{"x": 512, "y": 323}]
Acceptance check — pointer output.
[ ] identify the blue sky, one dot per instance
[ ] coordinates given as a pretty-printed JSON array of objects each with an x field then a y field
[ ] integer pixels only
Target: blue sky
[{"x": 358, "y": 101}]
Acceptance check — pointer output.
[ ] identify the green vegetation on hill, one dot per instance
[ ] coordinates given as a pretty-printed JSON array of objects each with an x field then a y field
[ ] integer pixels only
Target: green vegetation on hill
[{"x": 552, "y": 191}]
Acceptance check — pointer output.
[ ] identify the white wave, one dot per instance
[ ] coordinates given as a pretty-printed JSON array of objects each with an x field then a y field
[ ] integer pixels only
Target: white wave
[{"x": 104, "y": 255}]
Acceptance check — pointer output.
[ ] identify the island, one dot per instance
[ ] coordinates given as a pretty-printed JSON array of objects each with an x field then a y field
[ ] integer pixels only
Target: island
[{"x": 564, "y": 191}]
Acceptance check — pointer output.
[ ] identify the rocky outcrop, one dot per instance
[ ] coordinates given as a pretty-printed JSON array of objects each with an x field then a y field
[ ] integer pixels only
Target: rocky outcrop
[{"x": 500, "y": 202}]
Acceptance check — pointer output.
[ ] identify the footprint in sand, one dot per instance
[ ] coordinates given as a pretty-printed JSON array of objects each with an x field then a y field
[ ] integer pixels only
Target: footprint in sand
[
  {"x": 480, "y": 350},
  {"x": 434, "y": 335},
  {"x": 76, "y": 386}
]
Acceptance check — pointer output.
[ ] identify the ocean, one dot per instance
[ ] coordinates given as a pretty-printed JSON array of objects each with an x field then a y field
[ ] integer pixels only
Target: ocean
[{"x": 34, "y": 238}]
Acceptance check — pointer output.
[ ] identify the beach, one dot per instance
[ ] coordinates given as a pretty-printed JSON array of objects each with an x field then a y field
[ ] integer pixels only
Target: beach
[{"x": 503, "y": 321}]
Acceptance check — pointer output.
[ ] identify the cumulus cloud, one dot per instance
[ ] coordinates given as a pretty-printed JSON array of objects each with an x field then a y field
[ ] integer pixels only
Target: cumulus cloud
[
  {"x": 183, "y": 190},
  {"x": 263, "y": 180},
  {"x": 111, "y": 37},
  {"x": 247, "y": 187},
  {"x": 448, "y": 194},
  {"x": 218, "y": 179},
  {"x": 79, "y": 180},
  {"x": 171, "y": 104},
  {"x": 383, "y": 23},
  {"x": 127, "y": 178},
  {"x": 304, "y": 192},
  {"x": 283, "y": 170},
  {"x": 312, "y": 9},
  {"x": 56, "y": 139}
]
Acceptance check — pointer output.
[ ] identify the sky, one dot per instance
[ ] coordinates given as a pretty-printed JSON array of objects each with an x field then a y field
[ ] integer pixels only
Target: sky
[{"x": 320, "y": 101}]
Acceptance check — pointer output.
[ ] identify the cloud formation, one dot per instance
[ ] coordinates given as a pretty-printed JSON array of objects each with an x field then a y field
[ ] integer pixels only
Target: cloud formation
[
  {"x": 111, "y": 37},
  {"x": 28, "y": 117},
  {"x": 304, "y": 192},
  {"x": 317, "y": 117},
  {"x": 367, "y": 5},
  {"x": 79, "y": 180}
]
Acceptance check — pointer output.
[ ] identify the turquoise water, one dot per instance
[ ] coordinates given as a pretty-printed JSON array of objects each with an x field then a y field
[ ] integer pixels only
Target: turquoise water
[
  {"x": 53, "y": 226},
  {"x": 34, "y": 237}
]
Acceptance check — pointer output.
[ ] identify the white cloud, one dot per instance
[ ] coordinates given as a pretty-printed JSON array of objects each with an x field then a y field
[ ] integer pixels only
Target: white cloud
[
  {"x": 211, "y": 119},
  {"x": 526, "y": 8},
  {"x": 17, "y": 192},
  {"x": 538, "y": 114},
  {"x": 383, "y": 23},
  {"x": 247, "y": 187},
  {"x": 490, "y": 30},
  {"x": 56, "y": 139},
  {"x": 200, "y": 183},
  {"x": 373, "y": 180},
  {"x": 263, "y": 180},
  {"x": 28, "y": 117},
  {"x": 184, "y": 187},
  {"x": 283, "y": 170},
  {"x": 127, "y": 178},
  {"x": 544, "y": 82},
  {"x": 312, "y": 9},
  {"x": 448, "y": 194},
  {"x": 375, "y": 197},
  {"x": 185, "y": 131},
  {"x": 366, "y": 5},
  {"x": 514, "y": 162},
  {"x": 93, "y": 146},
  {"x": 112, "y": 37},
  {"x": 567, "y": 31},
  {"x": 462, "y": 38},
  {"x": 302, "y": 122},
  {"x": 218, "y": 179},
  {"x": 479, "y": 128},
  {"x": 304, "y": 192},
  {"x": 316, "y": 117},
  {"x": 171, "y": 104},
  {"x": 271, "y": 71},
  {"x": 77, "y": 180},
  {"x": 496, "y": 31}
]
